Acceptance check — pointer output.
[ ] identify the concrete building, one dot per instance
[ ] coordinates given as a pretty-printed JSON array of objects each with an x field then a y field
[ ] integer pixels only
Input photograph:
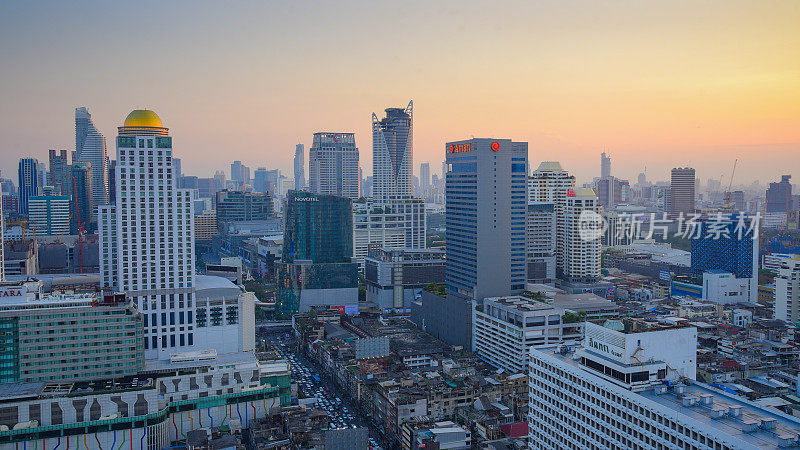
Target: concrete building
[
  {"x": 582, "y": 238},
  {"x": 779, "y": 196},
  {"x": 299, "y": 168},
  {"x": 90, "y": 146},
  {"x": 333, "y": 165},
  {"x": 96, "y": 336},
  {"x": 724, "y": 288},
  {"x": 20, "y": 256},
  {"x": 682, "y": 192},
  {"x": 605, "y": 166},
  {"x": 505, "y": 329},
  {"x": 485, "y": 216},
  {"x": 787, "y": 290},
  {"x": 395, "y": 276},
  {"x": 49, "y": 215},
  {"x": 626, "y": 389},
  {"x": 376, "y": 226},
  {"x": 549, "y": 183},
  {"x": 424, "y": 179},
  {"x": 59, "y": 172},
  {"x": 224, "y": 315},
  {"x": 540, "y": 243},
  {"x": 239, "y": 206},
  {"x": 393, "y": 154},
  {"x": 205, "y": 226},
  {"x": 147, "y": 236}
]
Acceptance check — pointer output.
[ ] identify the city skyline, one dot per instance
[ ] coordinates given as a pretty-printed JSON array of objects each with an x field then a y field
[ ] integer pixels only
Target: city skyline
[{"x": 647, "y": 101}]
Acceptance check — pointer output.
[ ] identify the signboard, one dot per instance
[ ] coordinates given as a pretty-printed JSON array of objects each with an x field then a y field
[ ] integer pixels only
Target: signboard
[
  {"x": 495, "y": 146},
  {"x": 611, "y": 293},
  {"x": 603, "y": 347},
  {"x": 459, "y": 148},
  {"x": 15, "y": 292},
  {"x": 571, "y": 193},
  {"x": 350, "y": 310}
]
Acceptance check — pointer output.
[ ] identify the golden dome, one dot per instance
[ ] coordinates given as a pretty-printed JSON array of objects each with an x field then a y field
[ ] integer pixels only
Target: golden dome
[{"x": 143, "y": 118}]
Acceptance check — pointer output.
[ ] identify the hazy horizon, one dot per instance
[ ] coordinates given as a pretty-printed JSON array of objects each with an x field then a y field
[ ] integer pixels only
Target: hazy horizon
[{"x": 655, "y": 84}]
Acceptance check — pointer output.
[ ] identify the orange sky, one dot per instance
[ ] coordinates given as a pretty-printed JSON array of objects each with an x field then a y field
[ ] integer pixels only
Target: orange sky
[{"x": 656, "y": 84}]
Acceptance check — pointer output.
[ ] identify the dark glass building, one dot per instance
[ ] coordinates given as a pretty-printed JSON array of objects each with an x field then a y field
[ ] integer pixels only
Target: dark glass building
[
  {"x": 318, "y": 228},
  {"x": 726, "y": 245},
  {"x": 81, "y": 193}
]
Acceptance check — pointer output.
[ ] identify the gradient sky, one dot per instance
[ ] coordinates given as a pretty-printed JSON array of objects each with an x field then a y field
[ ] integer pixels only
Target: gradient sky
[{"x": 656, "y": 84}]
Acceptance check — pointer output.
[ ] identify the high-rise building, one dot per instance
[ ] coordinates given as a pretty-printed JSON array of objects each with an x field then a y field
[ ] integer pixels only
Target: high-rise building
[
  {"x": 549, "y": 183},
  {"x": 59, "y": 172},
  {"x": 642, "y": 180},
  {"x": 81, "y": 195},
  {"x": 393, "y": 154},
  {"x": 540, "y": 243},
  {"x": 682, "y": 191},
  {"x": 49, "y": 214},
  {"x": 605, "y": 165},
  {"x": 318, "y": 228},
  {"x": 240, "y": 173},
  {"x": 611, "y": 191},
  {"x": 147, "y": 237},
  {"x": 90, "y": 146},
  {"x": 205, "y": 226},
  {"x": 316, "y": 267},
  {"x": 376, "y": 226},
  {"x": 112, "y": 181},
  {"x": 485, "y": 216},
  {"x": 299, "y": 168},
  {"x": 787, "y": 289},
  {"x": 219, "y": 180},
  {"x": 28, "y": 182},
  {"x": 176, "y": 164},
  {"x": 333, "y": 165},
  {"x": 238, "y": 206},
  {"x": 260, "y": 183},
  {"x": 582, "y": 236},
  {"x": 425, "y": 178},
  {"x": 779, "y": 195}
]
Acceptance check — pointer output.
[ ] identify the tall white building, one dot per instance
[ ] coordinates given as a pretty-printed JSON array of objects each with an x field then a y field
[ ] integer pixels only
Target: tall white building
[
  {"x": 787, "y": 289},
  {"x": 626, "y": 389},
  {"x": 147, "y": 236},
  {"x": 540, "y": 243},
  {"x": 425, "y": 178},
  {"x": 299, "y": 168},
  {"x": 90, "y": 146},
  {"x": 378, "y": 226},
  {"x": 550, "y": 184},
  {"x": 582, "y": 225},
  {"x": 393, "y": 154},
  {"x": 333, "y": 165}
]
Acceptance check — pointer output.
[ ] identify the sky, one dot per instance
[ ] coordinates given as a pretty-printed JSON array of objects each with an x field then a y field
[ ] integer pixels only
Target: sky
[{"x": 655, "y": 84}]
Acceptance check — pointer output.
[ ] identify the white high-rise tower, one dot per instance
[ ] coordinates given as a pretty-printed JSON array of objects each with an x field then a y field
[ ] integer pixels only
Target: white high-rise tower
[
  {"x": 550, "y": 184},
  {"x": 393, "y": 154},
  {"x": 90, "y": 146},
  {"x": 147, "y": 236}
]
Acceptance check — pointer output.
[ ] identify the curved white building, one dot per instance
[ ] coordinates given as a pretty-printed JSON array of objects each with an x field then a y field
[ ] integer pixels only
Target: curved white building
[{"x": 393, "y": 154}]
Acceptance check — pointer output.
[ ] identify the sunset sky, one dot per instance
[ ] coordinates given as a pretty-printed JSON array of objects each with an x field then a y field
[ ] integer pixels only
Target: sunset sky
[{"x": 656, "y": 84}]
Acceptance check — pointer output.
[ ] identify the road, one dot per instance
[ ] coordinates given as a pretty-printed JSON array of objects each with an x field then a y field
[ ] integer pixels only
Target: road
[{"x": 311, "y": 383}]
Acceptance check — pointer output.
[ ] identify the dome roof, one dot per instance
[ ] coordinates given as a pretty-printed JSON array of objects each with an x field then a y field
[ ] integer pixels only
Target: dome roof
[{"x": 143, "y": 118}]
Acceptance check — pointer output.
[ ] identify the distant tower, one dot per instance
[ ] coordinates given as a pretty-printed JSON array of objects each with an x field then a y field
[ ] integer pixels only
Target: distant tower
[
  {"x": 299, "y": 168},
  {"x": 90, "y": 146},
  {"x": 333, "y": 165},
  {"x": 393, "y": 154},
  {"x": 59, "y": 171},
  {"x": 425, "y": 178},
  {"x": 605, "y": 165},
  {"x": 682, "y": 191},
  {"x": 28, "y": 182}
]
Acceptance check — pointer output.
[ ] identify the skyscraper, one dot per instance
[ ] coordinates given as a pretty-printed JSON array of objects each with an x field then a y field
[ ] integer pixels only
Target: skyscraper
[
  {"x": 240, "y": 173},
  {"x": 550, "y": 184},
  {"x": 333, "y": 165},
  {"x": 147, "y": 237},
  {"x": 779, "y": 195},
  {"x": 485, "y": 216},
  {"x": 59, "y": 172},
  {"x": 540, "y": 243},
  {"x": 28, "y": 182},
  {"x": 80, "y": 182},
  {"x": 49, "y": 214},
  {"x": 393, "y": 154},
  {"x": 425, "y": 178},
  {"x": 682, "y": 191},
  {"x": 90, "y": 146},
  {"x": 605, "y": 165},
  {"x": 260, "y": 180},
  {"x": 299, "y": 168}
]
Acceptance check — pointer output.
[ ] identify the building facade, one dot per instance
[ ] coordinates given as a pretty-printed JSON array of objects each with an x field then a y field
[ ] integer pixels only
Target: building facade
[
  {"x": 485, "y": 216},
  {"x": 549, "y": 183},
  {"x": 394, "y": 276},
  {"x": 582, "y": 237},
  {"x": 238, "y": 206},
  {"x": 787, "y": 290},
  {"x": 393, "y": 154},
  {"x": 147, "y": 237},
  {"x": 299, "y": 168},
  {"x": 28, "y": 182},
  {"x": 59, "y": 172},
  {"x": 90, "y": 146},
  {"x": 333, "y": 165},
  {"x": 779, "y": 196},
  {"x": 540, "y": 243},
  {"x": 682, "y": 191},
  {"x": 49, "y": 215}
]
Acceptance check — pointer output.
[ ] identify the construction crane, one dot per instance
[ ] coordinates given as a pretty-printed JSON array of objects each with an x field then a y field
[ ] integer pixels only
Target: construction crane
[{"x": 728, "y": 205}]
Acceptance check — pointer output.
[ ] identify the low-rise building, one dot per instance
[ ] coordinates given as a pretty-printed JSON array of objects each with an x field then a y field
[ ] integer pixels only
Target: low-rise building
[{"x": 394, "y": 276}]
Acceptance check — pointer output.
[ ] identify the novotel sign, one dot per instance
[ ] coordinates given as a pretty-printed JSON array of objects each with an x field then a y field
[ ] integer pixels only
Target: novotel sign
[{"x": 12, "y": 292}]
